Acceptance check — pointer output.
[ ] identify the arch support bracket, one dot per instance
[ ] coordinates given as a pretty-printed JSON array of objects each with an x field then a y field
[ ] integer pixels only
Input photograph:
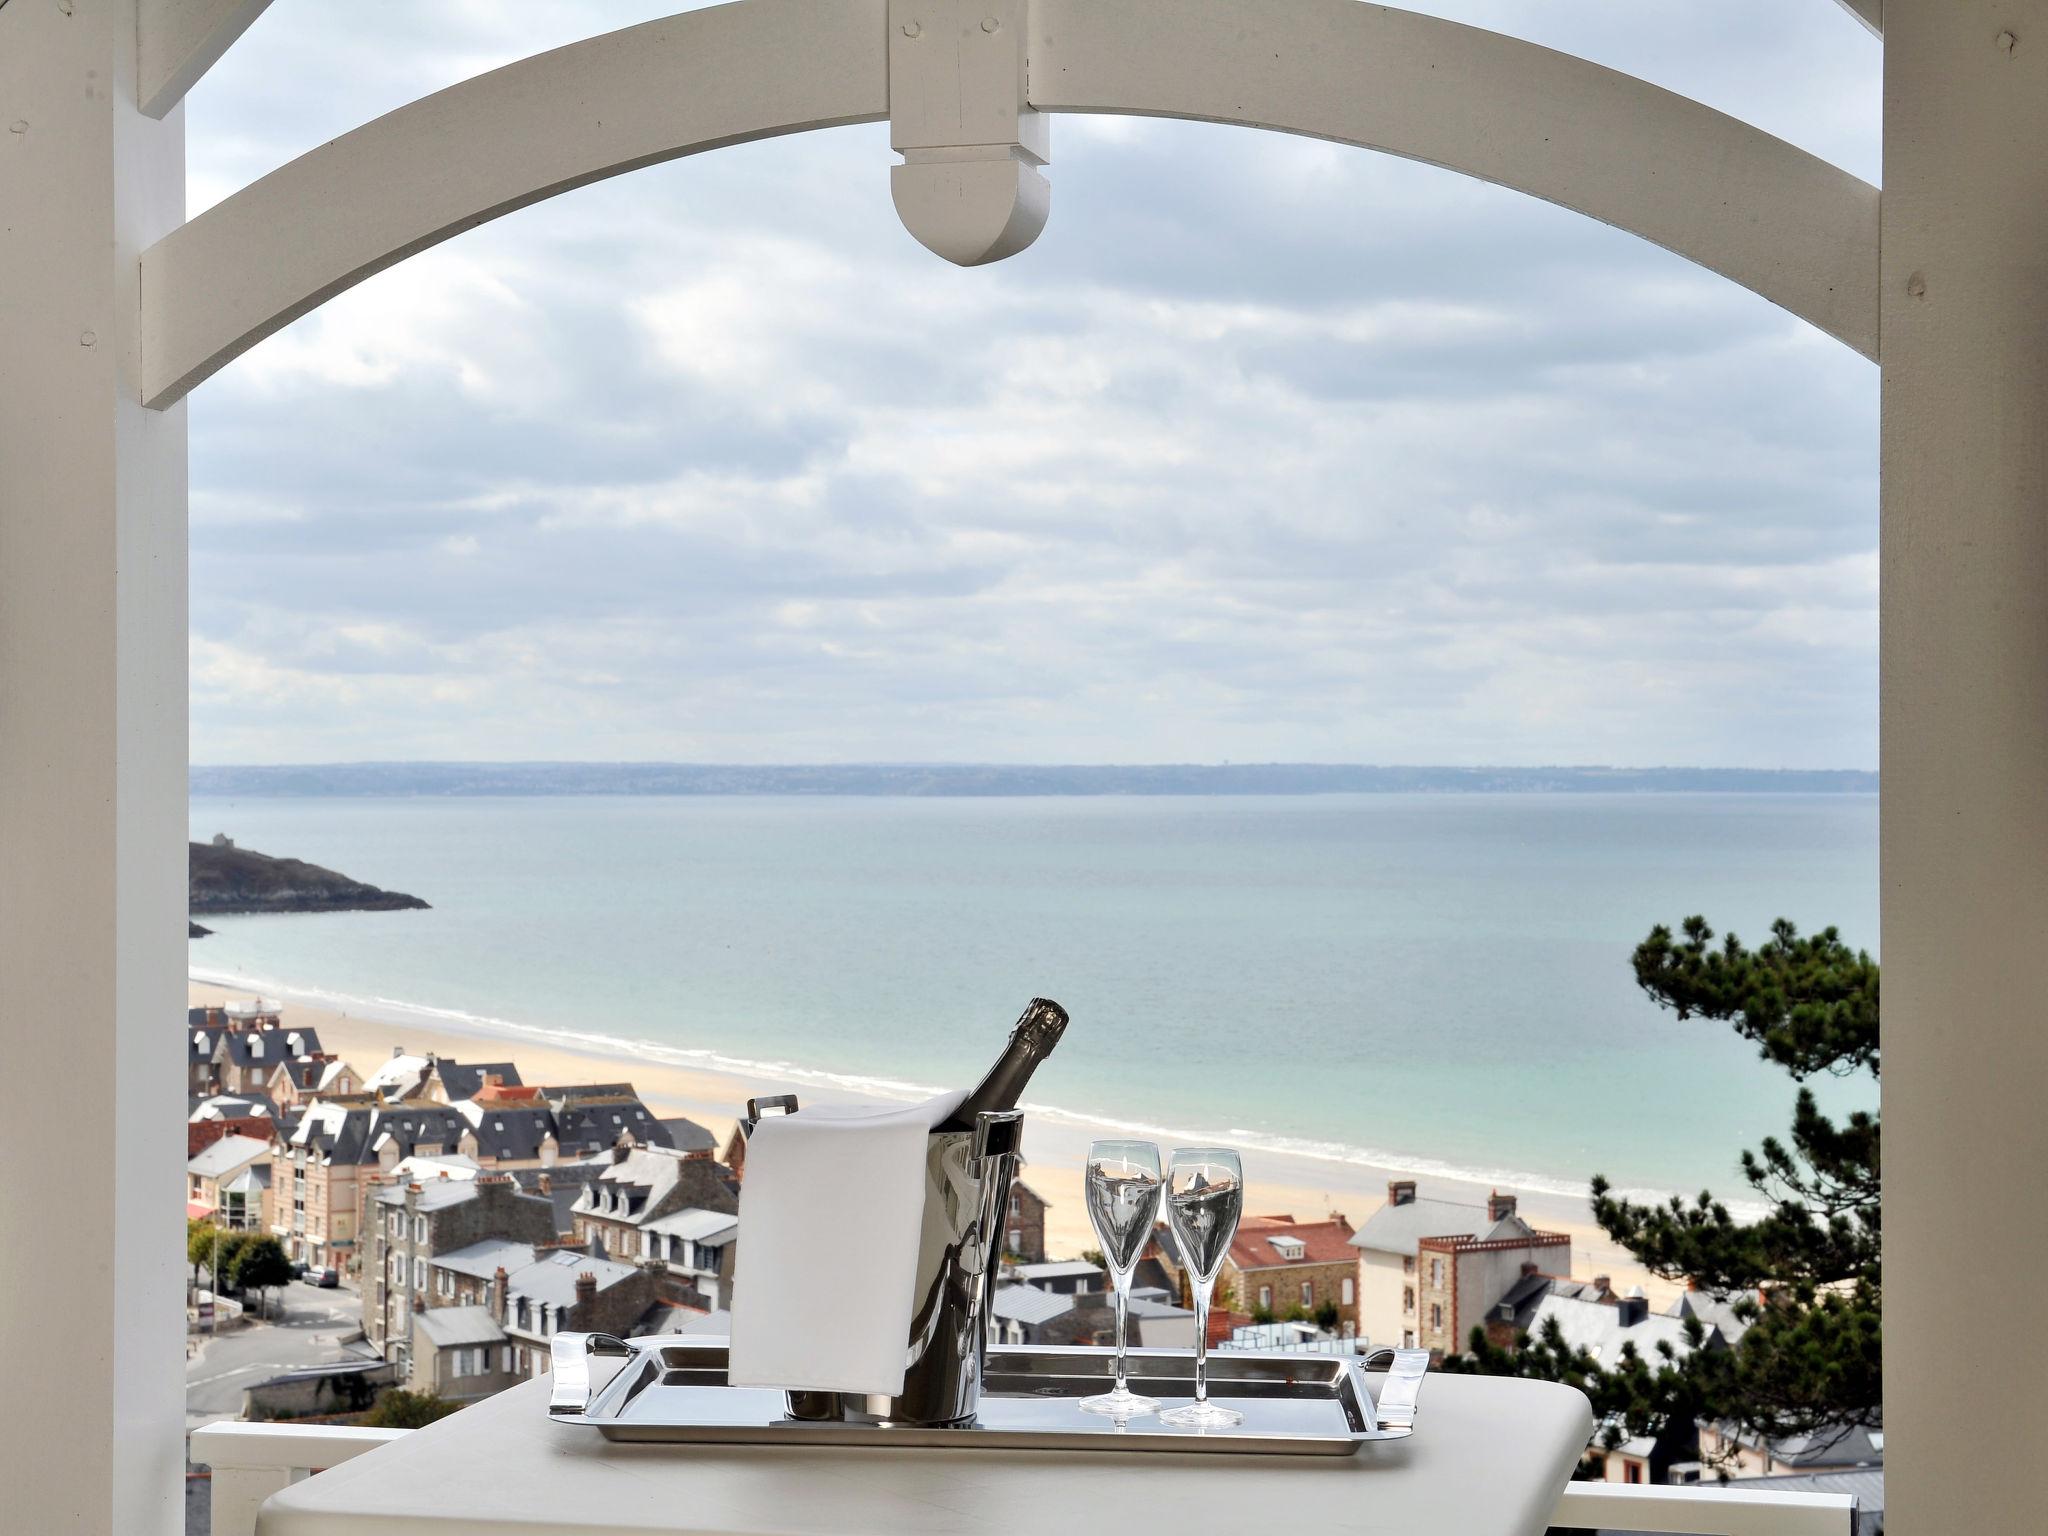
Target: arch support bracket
[{"x": 970, "y": 186}]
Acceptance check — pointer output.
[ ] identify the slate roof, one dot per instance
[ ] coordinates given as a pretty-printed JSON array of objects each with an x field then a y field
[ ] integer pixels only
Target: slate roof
[
  {"x": 694, "y": 1324},
  {"x": 552, "y": 1278},
  {"x": 687, "y": 1135},
  {"x": 450, "y": 1327},
  {"x": 698, "y": 1226},
  {"x": 226, "y": 1155},
  {"x": 338, "y": 1133},
  {"x": 251, "y": 1179},
  {"x": 1517, "y": 1305},
  {"x": 1849, "y": 1445},
  {"x": 641, "y": 1183},
  {"x": 434, "y": 1195},
  {"x": 1322, "y": 1242},
  {"x": 505, "y": 1132},
  {"x": 310, "y": 1073},
  {"x": 1057, "y": 1269},
  {"x": 484, "y": 1259},
  {"x": 232, "y": 1106},
  {"x": 464, "y": 1080},
  {"x": 1597, "y": 1328},
  {"x": 418, "y": 1128},
  {"x": 591, "y": 1126},
  {"x": 268, "y": 1047},
  {"x": 1401, "y": 1228},
  {"x": 565, "y": 1187},
  {"x": 397, "y": 1077},
  {"x": 1028, "y": 1305},
  {"x": 1863, "y": 1484},
  {"x": 1714, "y": 1312}
]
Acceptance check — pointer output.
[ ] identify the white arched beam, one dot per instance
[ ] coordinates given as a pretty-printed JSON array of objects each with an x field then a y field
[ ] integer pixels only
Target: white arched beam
[
  {"x": 1771, "y": 217},
  {"x": 1753, "y": 208},
  {"x": 282, "y": 246}
]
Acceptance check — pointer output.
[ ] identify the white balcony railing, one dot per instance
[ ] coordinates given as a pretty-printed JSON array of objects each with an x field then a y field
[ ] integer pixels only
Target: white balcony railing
[{"x": 252, "y": 1461}]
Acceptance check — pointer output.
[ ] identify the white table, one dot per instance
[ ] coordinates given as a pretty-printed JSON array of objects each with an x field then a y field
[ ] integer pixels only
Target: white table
[{"x": 1488, "y": 1458}]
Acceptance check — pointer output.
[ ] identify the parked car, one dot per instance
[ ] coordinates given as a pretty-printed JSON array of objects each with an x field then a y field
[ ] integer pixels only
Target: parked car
[{"x": 326, "y": 1279}]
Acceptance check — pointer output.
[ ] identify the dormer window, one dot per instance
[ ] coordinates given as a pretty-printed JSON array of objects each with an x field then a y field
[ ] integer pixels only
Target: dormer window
[{"x": 1289, "y": 1248}]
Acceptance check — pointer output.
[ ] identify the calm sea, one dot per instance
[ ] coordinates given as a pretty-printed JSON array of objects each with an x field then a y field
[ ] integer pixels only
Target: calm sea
[{"x": 1433, "y": 981}]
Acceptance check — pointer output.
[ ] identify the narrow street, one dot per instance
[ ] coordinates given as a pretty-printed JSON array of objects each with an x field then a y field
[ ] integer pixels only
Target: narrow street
[{"x": 308, "y": 1330}]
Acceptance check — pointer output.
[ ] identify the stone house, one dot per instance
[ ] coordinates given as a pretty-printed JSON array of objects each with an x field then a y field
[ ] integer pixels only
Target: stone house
[
  {"x": 1024, "y": 1225},
  {"x": 319, "y": 1168},
  {"x": 507, "y": 1125},
  {"x": 644, "y": 1184},
  {"x": 1278, "y": 1265},
  {"x": 298, "y": 1080},
  {"x": 1433, "y": 1296},
  {"x": 591, "y": 1117},
  {"x": 234, "y": 1047},
  {"x": 735, "y": 1155},
  {"x": 568, "y": 1290},
  {"x": 324, "y": 1166},
  {"x": 409, "y": 1224},
  {"x": 457, "y": 1353}
]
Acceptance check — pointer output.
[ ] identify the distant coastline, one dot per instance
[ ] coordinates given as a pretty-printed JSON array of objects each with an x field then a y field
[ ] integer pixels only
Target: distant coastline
[{"x": 997, "y": 780}]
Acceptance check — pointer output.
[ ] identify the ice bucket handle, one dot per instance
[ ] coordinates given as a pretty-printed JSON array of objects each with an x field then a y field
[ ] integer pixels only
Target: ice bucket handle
[{"x": 784, "y": 1103}]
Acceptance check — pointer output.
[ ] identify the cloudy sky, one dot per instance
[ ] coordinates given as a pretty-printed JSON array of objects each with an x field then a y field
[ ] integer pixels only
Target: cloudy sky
[{"x": 1267, "y": 450}]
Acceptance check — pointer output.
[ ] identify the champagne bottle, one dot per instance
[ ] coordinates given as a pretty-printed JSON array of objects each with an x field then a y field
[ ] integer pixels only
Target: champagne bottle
[{"x": 1032, "y": 1038}]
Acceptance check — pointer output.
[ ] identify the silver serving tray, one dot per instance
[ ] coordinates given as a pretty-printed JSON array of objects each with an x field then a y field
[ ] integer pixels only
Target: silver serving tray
[{"x": 1293, "y": 1404}]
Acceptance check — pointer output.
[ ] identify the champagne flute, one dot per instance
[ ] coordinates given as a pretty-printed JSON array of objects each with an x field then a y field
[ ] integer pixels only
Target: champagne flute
[
  {"x": 1204, "y": 1198},
  {"x": 1124, "y": 1186}
]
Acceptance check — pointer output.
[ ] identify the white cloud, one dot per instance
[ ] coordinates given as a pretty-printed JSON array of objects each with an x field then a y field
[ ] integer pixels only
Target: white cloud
[{"x": 1270, "y": 449}]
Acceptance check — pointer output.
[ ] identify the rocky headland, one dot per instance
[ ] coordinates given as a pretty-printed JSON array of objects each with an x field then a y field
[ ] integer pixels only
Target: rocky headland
[{"x": 227, "y": 879}]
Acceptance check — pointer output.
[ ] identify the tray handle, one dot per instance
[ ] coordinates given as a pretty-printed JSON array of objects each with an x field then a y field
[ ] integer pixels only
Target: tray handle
[
  {"x": 1395, "y": 1407},
  {"x": 570, "y": 1368}
]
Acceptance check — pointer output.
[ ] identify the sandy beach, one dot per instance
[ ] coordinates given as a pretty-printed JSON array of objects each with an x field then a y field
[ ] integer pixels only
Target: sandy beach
[{"x": 1055, "y": 1145}]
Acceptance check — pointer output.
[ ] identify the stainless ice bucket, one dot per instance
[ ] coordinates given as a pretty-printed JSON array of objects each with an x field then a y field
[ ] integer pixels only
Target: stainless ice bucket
[{"x": 967, "y": 1193}]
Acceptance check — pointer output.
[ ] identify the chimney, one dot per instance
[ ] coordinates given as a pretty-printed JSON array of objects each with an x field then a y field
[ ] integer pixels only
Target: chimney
[
  {"x": 1499, "y": 1207},
  {"x": 623, "y": 1147},
  {"x": 1634, "y": 1308},
  {"x": 545, "y": 1183},
  {"x": 397, "y": 1051},
  {"x": 586, "y": 1294},
  {"x": 495, "y": 1297},
  {"x": 1603, "y": 1288},
  {"x": 1400, "y": 1192},
  {"x": 1529, "y": 1268}
]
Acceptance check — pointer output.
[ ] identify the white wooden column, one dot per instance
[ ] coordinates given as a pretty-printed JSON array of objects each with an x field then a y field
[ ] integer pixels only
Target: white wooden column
[
  {"x": 92, "y": 788},
  {"x": 1964, "y": 342}
]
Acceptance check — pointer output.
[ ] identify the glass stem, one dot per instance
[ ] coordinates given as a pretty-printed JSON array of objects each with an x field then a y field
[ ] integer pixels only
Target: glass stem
[
  {"x": 1202, "y": 1289},
  {"x": 1123, "y": 1291}
]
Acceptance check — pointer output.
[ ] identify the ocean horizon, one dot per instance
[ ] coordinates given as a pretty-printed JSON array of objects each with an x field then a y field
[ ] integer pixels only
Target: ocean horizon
[{"x": 1417, "y": 980}]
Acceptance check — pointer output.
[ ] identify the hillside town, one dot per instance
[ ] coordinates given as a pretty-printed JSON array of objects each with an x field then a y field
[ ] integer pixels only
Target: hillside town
[{"x": 456, "y": 1218}]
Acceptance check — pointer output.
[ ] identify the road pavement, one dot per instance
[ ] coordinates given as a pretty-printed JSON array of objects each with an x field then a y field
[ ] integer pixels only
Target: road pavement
[{"x": 307, "y": 1330}]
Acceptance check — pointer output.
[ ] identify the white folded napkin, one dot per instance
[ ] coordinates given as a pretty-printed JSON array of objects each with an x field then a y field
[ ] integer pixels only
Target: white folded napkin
[{"x": 830, "y": 1214}]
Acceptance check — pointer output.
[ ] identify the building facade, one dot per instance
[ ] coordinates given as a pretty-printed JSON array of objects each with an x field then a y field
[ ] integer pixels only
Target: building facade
[
  {"x": 1432, "y": 1296},
  {"x": 411, "y": 1223}
]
